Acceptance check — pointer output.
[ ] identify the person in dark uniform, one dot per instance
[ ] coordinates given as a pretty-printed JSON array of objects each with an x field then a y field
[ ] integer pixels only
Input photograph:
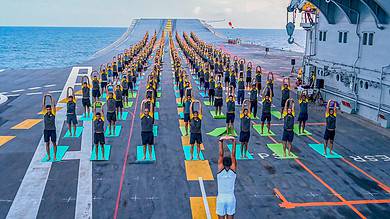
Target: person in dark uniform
[
  {"x": 147, "y": 136},
  {"x": 125, "y": 90},
  {"x": 86, "y": 101},
  {"x": 248, "y": 76},
  {"x": 253, "y": 98},
  {"x": 111, "y": 113},
  {"x": 266, "y": 111},
  {"x": 206, "y": 81},
  {"x": 181, "y": 88},
  {"x": 230, "y": 114},
  {"x": 212, "y": 91},
  {"x": 98, "y": 136},
  {"x": 104, "y": 79},
  {"x": 227, "y": 77},
  {"x": 95, "y": 89},
  {"x": 245, "y": 128},
  {"x": 258, "y": 79},
  {"x": 330, "y": 130},
  {"x": 118, "y": 101},
  {"x": 49, "y": 130},
  {"x": 71, "y": 117},
  {"x": 218, "y": 99},
  {"x": 303, "y": 113},
  {"x": 195, "y": 133},
  {"x": 288, "y": 133},
  {"x": 241, "y": 91},
  {"x": 285, "y": 95},
  {"x": 187, "y": 111},
  {"x": 233, "y": 80}
]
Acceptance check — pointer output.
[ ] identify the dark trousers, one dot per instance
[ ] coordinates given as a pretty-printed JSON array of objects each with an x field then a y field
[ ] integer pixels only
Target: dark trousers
[
  {"x": 240, "y": 96},
  {"x": 254, "y": 107}
]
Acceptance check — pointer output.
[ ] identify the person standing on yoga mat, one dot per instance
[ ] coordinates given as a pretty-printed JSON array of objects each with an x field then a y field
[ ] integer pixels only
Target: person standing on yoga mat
[
  {"x": 285, "y": 95},
  {"x": 181, "y": 88},
  {"x": 71, "y": 118},
  {"x": 226, "y": 179},
  {"x": 206, "y": 81},
  {"x": 212, "y": 91},
  {"x": 147, "y": 136},
  {"x": 266, "y": 110},
  {"x": 118, "y": 101},
  {"x": 330, "y": 130},
  {"x": 49, "y": 130},
  {"x": 288, "y": 133},
  {"x": 245, "y": 133},
  {"x": 230, "y": 114},
  {"x": 218, "y": 99},
  {"x": 187, "y": 111},
  {"x": 303, "y": 115},
  {"x": 111, "y": 113},
  {"x": 227, "y": 77},
  {"x": 125, "y": 90},
  {"x": 241, "y": 91},
  {"x": 95, "y": 89},
  {"x": 253, "y": 99},
  {"x": 195, "y": 133},
  {"x": 258, "y": 79},
  {"x": 98, "y": 135},
  {"x": 86, "y": 101}
]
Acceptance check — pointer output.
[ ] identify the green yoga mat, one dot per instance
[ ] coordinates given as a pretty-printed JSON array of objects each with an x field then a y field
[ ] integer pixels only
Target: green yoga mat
[
  {"x": 215, "y": 116},
  {"x": 118, "y": 129},
  {"x": 157, "y": 104},
  {"x": 202, "y": 94},
  {"x": 179, "y": 105},
  {"x": 133, "y": 96},
  {"x": 183, "y": 130},
  {"x": 238, "y": 152},
  {"x": 207, "y": 103},
  {"x": 220, "y": 131},
  {"x": 98, "y": 106},
  {"x": 83, "y": 117},
  {"x": 155, "y": 130},
  {"x": 107, "y": 151},
  {"x": 265, "y": 130},
  {"x": 61, "y": 150},
  {"x": 159, "y": 94},
  {"x": 252, "y": 117},
  {"x": 187, "y": 153},
  {"x": 319, "y": 148},
  {"x": 123, "y": 115},
  {"x": 278, "y": 150},
  {"x": 296, "y": 131},
  {"x": 129, "y": 105},
  {"x": 79, "y": 130},
  {"x": 277, "y": 114},
  {"x": 140, "y": 154}
]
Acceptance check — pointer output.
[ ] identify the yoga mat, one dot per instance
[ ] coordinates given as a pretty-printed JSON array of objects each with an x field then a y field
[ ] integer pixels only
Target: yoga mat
[
  {"x": 61, "y": 150},
  {"x": 118, "y": 129},
  {"x": 181, "y": 114},
  {"x": 238, "y": 152},
  {"x": 156, "y": 116},
  {"x": 319, "y": 148},
  {"x": 277, "y": 114},
  {"x": 183, "y": 130},
  {"x": 107, "y": 151},
  {"x": 124, "y": 116},
  {"x": 296, "y": 131},
  {"x": 155, "y": 130},
  {"x": 130, "y": 104},
  {"x": 207, "y": 103},
  {"x": 157, "y": 104},
  {"x": 199, "y": 88},
  {"x": 179, "y": 105},
  {"x": 187, "y": 153},
  {"x": 79, "y": 130},
  {"x": 252, "y": 117},
  {"x": 220, "y": 116},
  {"x": 159, "y": 94},
  {"x": 202, "y": 94},
  {"x": 278, "y": 150},
  {"x": 220, "y": 131},
  {"x": 84, "y": 118},
  {"x": 265, "y": 133},
  {"x": 134, "y": 95},
  {"x": 140, "y": 154}
]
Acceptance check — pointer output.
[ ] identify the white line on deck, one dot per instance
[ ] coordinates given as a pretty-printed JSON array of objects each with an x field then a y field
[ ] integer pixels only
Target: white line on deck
[
  {"x": 55, "y": 91},
  {"x": 16, "y": 91},
  {"x": 33, "y": 93},
  {"x": 34, "y": 88},
  {"x": 52, "y": 85},
  {"x": 204, "y": 197},
  {"x": 12, "y": 95},
  {"x": 29, "y": 196}
]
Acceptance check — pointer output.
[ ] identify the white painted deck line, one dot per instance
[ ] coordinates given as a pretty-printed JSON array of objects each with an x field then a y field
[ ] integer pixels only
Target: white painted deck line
[
  {"x": 28, "y": 198},
  {"x": 204, "y": 197}
]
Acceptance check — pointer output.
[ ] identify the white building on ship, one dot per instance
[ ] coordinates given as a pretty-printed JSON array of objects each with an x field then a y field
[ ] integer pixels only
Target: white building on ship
[{"x": 348, "y": 45}]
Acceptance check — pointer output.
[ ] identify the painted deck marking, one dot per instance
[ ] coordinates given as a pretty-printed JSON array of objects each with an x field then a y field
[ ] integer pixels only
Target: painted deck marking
[
  {"x": 27, "y": 124},
  {"x": 204, "y": 197},
  {"x": 5, "y": 139}
]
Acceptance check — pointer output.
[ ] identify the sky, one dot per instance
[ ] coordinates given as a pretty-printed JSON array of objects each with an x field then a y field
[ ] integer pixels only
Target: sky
[{"x": 118, "y": 13}]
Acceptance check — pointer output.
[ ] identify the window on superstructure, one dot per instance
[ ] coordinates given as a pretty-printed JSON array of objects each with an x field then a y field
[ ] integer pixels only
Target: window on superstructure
[
  {"x": 322, "y": 36},
  {"x": 343, "y": 37},
  {"x": 340, "y": 37},
  {"x": 365, "y": 38},
  {"x": 368, "y": 39}
]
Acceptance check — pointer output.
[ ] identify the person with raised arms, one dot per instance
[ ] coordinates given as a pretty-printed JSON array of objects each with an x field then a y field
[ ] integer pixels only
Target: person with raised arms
[
  {"x": 86, "y": 100},
  {"x": 195, "y": 128},
  {"x": 218, "y": 99},
  {"x": 71, "y": 118},
  {"x": 187, "y": 111},
  {"x": 111, "y": 113},
  {"x": 253, "y": 98},
  {"x": 95, "y": 89},
  {"x": 303, "y": 113},
  {"x": 147, "y": 136},
  {"x": 330, "y": 130},
  {"x": 98, "y": 136},
  {"x": 245, "y": 128},
  {"x": 230, "y": 112},
  {"x": 49, "y": 126},
  {"x": 288, "y": 127},
  {"x": 266, "y": 110},
  {"x": 226, "y": 179},
  {"x": 285, "y": 93},
  {"x": 212, "y": 91}
]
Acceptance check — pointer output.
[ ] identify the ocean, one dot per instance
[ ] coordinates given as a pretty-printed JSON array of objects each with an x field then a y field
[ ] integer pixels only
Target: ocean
[
  {"x": 52, "y": 47},
  {"x": 272, "y": 38},
  {"x": 55, "y": 47}
]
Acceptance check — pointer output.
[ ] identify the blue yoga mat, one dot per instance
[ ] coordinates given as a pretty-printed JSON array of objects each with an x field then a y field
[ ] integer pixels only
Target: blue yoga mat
[
  {"x": 238, "y": 152},
  {"x": 61, "y": 150},
  {"x": 140, "y": 154},
  {"x": 187, "y": 153},
  {"x": 107, "y": 150},
  {"x": 319, "y": 148}
]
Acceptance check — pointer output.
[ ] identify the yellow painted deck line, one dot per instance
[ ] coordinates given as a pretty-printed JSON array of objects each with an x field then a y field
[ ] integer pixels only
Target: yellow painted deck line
[
  {"x": 57, "y": 109},
  {"x": 27, "y": 124},
  {"x": 5, "y": 139},
  {"x": 181, "y": 123},
  {"x": 65, "y": 100},
  {"x": 198, "y": 210},
  {"x": 198, "y": 168},
  {"x": 180, "y": 110},
  {"x": 78, "y": 92},
  {"x": 178, "y": 100},
  {"x": 185, "y": 140}
]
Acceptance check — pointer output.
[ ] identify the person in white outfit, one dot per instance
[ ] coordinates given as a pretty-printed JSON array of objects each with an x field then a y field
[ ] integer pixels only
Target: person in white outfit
[{"x": 226, "y": 178}]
